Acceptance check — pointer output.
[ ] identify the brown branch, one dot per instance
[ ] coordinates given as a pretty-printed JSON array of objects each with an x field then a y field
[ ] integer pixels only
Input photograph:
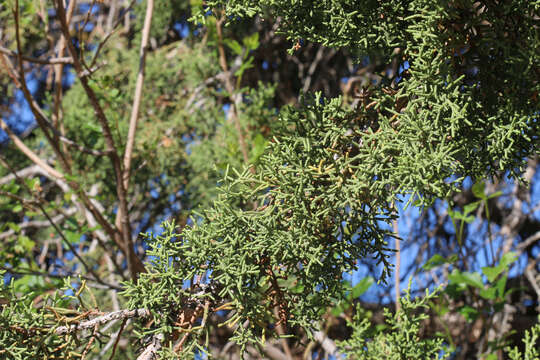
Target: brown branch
[
  {"x": 134, "y": 118},
  {"x": 135, "y": 265},
  {"x": 29, "y": 153},
  {"x": 51, "y": 61},
  {"x": 58, "y": 74},
  {"x": 90, "y": 342},
  {"x": 9, "y": 69},
  {"x": 138, "y": 92},
  {"x": 397, "y": 285},
  {"x": 36, "y": 110},
  {"x": 117, "y": 338}
]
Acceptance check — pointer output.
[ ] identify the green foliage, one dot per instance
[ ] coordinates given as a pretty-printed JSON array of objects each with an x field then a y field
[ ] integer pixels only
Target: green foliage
[
  {"x": 27, "y": 324},
  {"x": 531, "y": 346},
  {"x": 279, "y": 229},
  {"x": 401, "y": 338},
  {"x": 453, "y": 120}
]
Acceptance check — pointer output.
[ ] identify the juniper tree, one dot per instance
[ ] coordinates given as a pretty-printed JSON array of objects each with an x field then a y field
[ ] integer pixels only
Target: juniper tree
[{"x": 271, "y": 229}]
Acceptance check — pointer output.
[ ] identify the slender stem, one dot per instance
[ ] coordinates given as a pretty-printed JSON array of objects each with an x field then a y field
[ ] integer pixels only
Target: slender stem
[
  {"x": 51, "y": 61},
  {"x": 29, "y": 153},
  {"x": 135, "y": 266},
  {"x": 397, "y": 270},
  {"x": 137, "y": 98},
  {"x": 138, "y": 93},
  {"x": 128, "y": 154},
  {"x": 40, "y": 118}
]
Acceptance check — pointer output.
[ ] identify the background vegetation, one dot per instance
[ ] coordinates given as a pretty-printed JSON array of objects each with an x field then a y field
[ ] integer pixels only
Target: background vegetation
[{"x": 275, "y": 179}]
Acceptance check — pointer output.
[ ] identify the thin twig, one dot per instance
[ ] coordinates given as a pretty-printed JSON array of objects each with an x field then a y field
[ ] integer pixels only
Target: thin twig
[
  {"x": 134, "y": 118},
  {"x": 138, "y": 92},
  {"x": 398, "y": 264},
  {"x": 51, "y": 61},
  {"x": 117, "y": 337},
  {"x": 29, "y": 153},
  {"x": 90, "y": 342}
]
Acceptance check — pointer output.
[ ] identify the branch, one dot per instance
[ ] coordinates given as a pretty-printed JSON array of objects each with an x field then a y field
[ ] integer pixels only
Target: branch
[
  {"x": 151, "y": 350},
  {"x": 40, "y": 223},
  {"x": 29, "y": 153},
  {"x": 135, "y": 265},
  {"x": 115, "y": 315},
  {"x": 51, "y": 61},
  {"x": 134, "y": 118},
  {"x": 36, "y": 110},
  {"x": 138, "y": 95}
]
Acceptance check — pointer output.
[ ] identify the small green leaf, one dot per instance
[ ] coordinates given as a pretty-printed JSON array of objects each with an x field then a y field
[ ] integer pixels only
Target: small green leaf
[
  {"x": 251, "y": 42},
  {"x": 467, "y": 209},
  {"x": 438, "y": 260},
  {"x": 26, "y": 243},
  {"x": 72, "y": 236},
  {"x": 508, "y": 258},
  {"x": 234, "y": 46},
  {"x": 469, "y": 313},
  {"x": 473, "y": 279},
  {"x": 489, "y": 293},
  {"x": 492, "y": 272},
  {"x": 466, "y": 278},
  {"x": 361, "y": 287},
  {"x": 478, "y": 190}
]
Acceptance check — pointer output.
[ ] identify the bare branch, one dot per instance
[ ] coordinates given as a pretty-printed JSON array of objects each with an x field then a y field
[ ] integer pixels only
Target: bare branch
[
  {"x": 36, "y": 110},
  {"x": 138, "y": 92},
  {"x": 135, "y": 265},
  {"x": 51, "y": 61},
  {"x": 29, "y": 153},
  {"x": 39, "y": 223},
  {"x": 151, "y": 350},
  {"x": 115, "y": 315}
]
